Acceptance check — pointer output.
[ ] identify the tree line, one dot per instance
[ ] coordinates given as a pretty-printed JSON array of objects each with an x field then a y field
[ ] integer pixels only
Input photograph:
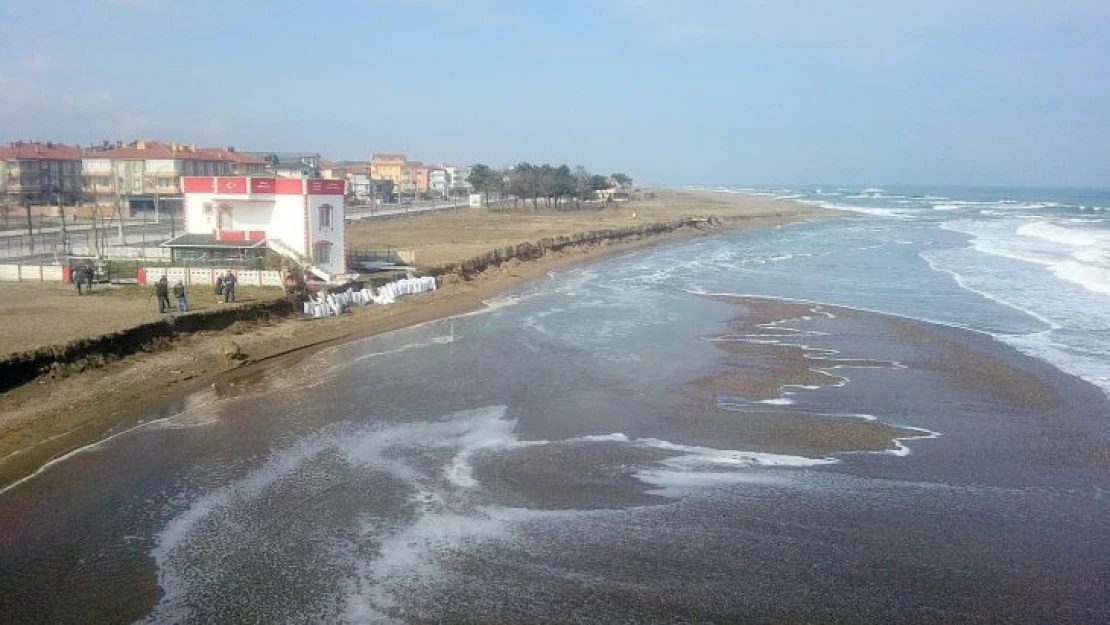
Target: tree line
[{"x": 554, "y": 185}]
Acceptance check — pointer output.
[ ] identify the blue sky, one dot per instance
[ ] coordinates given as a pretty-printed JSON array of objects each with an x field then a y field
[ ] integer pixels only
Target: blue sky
[{"x": 970, "y": 92}]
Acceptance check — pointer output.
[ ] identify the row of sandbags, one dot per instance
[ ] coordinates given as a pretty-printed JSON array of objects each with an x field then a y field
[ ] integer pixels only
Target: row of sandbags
[
  {"x": 388, "y": 293},
  {"x": 332, "y": 304}
]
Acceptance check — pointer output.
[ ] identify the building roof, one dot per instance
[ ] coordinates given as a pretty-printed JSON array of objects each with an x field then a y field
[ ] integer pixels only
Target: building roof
[
  {"x": 280, "y": 159},
  {"x": 34, "y": 150},
  {"x": 385, "y": 156},
  {"x": 163, "y": 150},
  {"x": 208, "y": 240},
  {"x": 235, "y": 156}
]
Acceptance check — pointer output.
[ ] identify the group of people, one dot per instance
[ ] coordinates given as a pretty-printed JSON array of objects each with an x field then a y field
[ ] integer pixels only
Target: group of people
[
  {"x": 83, "y": 276},
  {"x": 225, "y": 288},
  {"x": 162, "y": 292}
]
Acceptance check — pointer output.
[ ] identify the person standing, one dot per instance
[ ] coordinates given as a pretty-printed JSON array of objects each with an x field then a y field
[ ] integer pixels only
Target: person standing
[
  {"x": 229, "y": 287},
  {"x": 89, "y": 274},
  {"x": 179, "y": 295},
  {"x": 162, "y": 292},
  {"x": 77, "y": 275},
  {"x": 219, "y": 287}
]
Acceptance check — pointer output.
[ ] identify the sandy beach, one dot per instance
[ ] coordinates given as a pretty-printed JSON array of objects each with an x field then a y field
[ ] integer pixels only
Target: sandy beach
[{"x": 48, "y": 417}]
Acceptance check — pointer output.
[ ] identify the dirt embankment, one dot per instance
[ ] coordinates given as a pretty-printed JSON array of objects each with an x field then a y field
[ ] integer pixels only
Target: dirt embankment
[
  {"x": 530, "y": 251},
  {"x": 86, "y": 353}
]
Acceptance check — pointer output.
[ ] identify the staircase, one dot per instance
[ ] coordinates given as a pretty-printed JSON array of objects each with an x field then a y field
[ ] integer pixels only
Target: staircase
[{"x": 292, "y": 254}]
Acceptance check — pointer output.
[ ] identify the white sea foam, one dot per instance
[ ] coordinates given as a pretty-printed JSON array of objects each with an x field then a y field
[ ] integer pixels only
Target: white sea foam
[
  {"x": 190, "y": 552},
  {"x": 1066, "y": 236},
  {"x": 1073, "y": 306}
]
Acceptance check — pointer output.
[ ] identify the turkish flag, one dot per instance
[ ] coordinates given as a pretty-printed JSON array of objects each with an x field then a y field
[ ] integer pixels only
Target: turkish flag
[{"x": 231, "y": 185}]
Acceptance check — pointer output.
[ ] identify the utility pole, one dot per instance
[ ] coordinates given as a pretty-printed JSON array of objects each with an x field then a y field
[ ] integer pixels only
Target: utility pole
[
  {"x": 30, "y": 226},
  {"x": 62, "y": 215}
]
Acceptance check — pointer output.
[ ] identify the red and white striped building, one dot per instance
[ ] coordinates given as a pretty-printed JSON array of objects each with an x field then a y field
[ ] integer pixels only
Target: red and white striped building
[{"x": 229, "y": 218}]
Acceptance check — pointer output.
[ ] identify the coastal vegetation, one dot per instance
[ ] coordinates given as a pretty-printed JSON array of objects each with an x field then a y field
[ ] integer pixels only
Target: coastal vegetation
[{"x": 557, "y": 186}]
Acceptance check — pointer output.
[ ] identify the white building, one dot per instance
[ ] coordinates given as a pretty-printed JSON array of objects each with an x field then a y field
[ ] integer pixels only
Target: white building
[
  {"x": 439, "y": 181},
  {"x": 458, "y": 175},
  {"x": 235, "y": 219},
  {"x": 360, "y": 185}
]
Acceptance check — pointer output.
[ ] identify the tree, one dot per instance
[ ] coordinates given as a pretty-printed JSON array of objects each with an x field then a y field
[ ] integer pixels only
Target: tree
[
  {"x": 525, "y": 182},
  {"x": 564, "y": 183},
  {"x": 582, "y": 188},
  {"x": 545, "y": 182},
  {"x": 622, "y": 180},
  {"x": 597, "y": 182},
  {"x": 482, "y": 178}
]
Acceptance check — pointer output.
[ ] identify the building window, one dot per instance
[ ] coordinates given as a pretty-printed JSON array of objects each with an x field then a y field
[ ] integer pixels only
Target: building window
[
  {"x": 325, "y": 215},
  {"x": 321, "y": 253}
]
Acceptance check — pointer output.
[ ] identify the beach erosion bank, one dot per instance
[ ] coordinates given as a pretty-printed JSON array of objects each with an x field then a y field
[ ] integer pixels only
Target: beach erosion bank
[{"x": 469, "y": 249}]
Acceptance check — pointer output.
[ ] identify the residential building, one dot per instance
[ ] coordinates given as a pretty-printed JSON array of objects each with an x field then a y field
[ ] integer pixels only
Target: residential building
[
  {"x": 390, "y": 167},
  {"x": 243, "y": 164},
  {"x": 439, "y": 181},
  {"x": 421, "y": 171},
  {"x": 359, "y": 185},
  {"x": 40, "y": 173},
  {"x": 234, "y": 220},
  {"x": 145, "y": 175},
  {"x": 458, "y": 174},
  {"x": 290, "y": 164}
]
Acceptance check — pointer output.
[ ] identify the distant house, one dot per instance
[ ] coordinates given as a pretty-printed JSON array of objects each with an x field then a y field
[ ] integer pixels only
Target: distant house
[
  {"x": 290, "y": 164},
  {"x": 39, "y": 173},
  {"x": 439, "y": 181},
  {"x": 386, "y": 166},
  {"x": 359, "y": 185}
]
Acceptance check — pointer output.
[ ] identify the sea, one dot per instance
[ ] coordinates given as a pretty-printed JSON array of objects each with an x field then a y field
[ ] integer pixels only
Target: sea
[
  {"x": 583, "y": 448},
  {"x": 1044, "y": 254}
]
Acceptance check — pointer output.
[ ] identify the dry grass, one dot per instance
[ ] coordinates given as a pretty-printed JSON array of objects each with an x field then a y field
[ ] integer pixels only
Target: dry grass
[
  {"x": 456, "y": 236},
  {"x": 37, "y": 314}
]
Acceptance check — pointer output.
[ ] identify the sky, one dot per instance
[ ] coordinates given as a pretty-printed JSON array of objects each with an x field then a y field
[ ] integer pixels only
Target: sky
[{"x": 705, "y": 92}]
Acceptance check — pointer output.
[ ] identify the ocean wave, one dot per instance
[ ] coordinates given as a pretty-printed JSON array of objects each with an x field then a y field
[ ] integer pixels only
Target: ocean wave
[{"x": 1075, "y": 237}]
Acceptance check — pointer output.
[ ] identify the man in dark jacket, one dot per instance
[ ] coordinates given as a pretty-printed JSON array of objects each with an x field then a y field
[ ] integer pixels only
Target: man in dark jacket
[
  {"x": 89, "y": 274},
  {"x": 162, "y": 292},
  {"x": 229, "y": 287},
  {"x": 179, "y": 296}
]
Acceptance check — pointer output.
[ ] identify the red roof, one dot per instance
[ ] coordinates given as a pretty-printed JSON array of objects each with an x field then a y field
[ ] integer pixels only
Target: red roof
[
  {"x": 162, "y": 150},
  {"x": 28, "y": 150},
  {"x": 219, "y": 154}
]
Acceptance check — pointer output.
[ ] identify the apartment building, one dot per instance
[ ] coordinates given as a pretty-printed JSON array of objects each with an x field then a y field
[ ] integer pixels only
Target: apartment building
[
  {"x": 39, "y": 173},
  {"x": 389, "y": 167},
  {"x": 146, "y": 175}
]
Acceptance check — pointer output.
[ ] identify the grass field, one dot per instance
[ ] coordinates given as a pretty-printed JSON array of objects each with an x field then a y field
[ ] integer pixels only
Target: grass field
[{"x": 37, "y": 314}]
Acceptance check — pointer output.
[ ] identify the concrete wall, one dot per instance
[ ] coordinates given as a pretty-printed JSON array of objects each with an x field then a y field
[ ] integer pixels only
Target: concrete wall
[
  {"x": 30, "y": 273},
  {"x": 194, "y": 275},
  {"x": 288, "y": 223}
]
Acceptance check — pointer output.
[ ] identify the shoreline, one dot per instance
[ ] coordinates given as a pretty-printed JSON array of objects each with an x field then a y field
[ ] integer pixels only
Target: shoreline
[{"x": 47, "y": 419}]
